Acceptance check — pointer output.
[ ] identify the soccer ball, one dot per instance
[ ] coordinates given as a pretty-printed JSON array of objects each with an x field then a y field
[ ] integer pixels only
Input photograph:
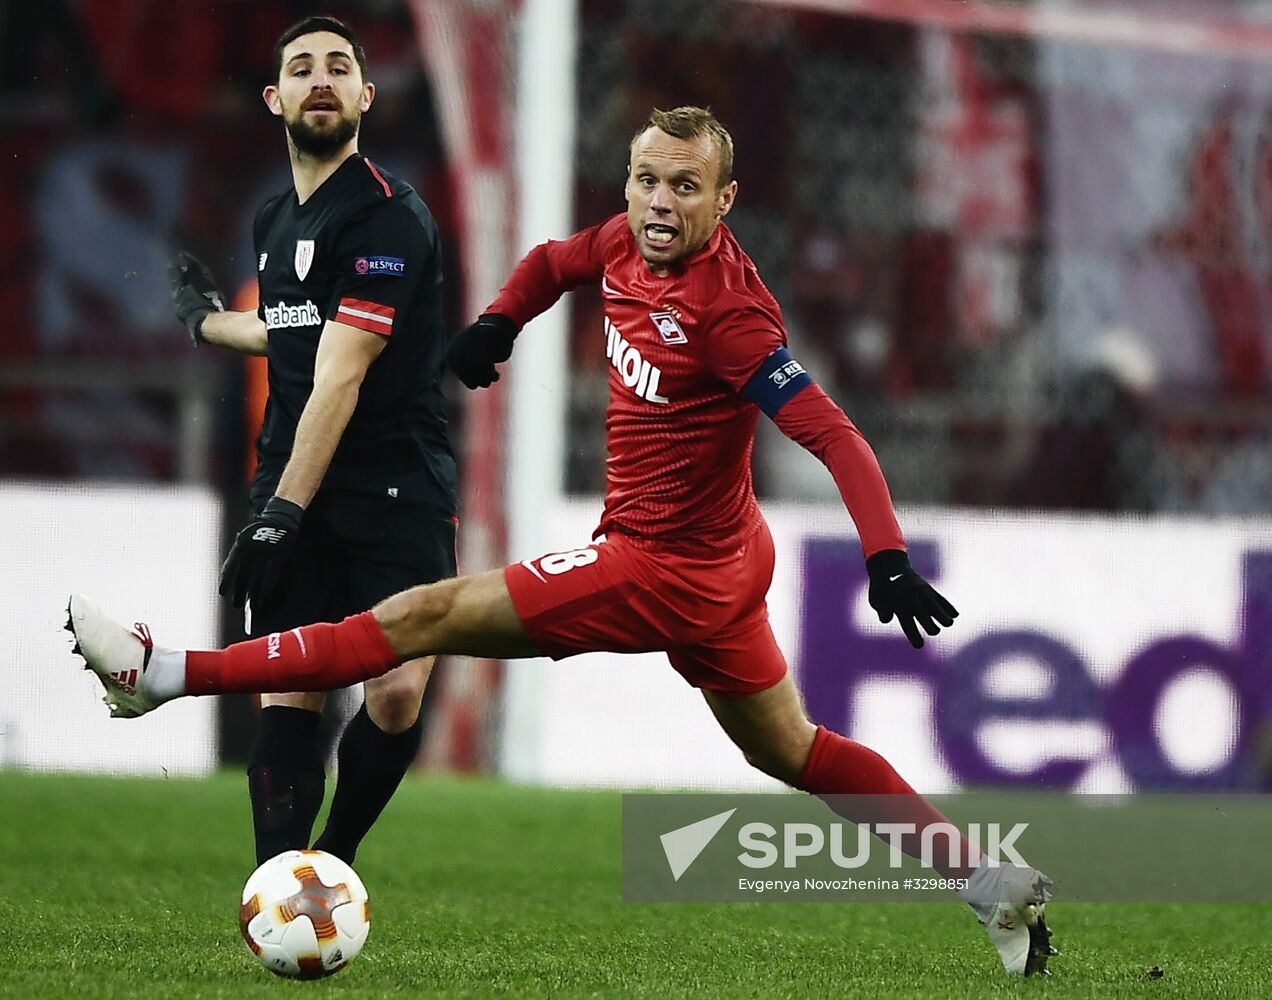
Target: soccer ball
[{"x": 304, "y": 914}]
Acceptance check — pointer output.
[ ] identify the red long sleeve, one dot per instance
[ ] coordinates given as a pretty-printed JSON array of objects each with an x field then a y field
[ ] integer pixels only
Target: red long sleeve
[
  {"x": 529, "y": 290},
  {"x": 553, "y": 268},
  {"x": 813, "y": 420}
]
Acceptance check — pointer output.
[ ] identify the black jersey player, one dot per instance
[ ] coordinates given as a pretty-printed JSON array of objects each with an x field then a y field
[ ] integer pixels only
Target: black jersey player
[{"x": 354, "y": 496}]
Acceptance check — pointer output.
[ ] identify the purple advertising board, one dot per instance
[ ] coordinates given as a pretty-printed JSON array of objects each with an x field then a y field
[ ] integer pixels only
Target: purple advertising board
[{"x": 835, "y": 657}]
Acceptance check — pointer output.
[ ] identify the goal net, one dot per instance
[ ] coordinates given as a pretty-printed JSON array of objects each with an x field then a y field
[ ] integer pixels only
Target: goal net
[{"x": 978, "y": 218}]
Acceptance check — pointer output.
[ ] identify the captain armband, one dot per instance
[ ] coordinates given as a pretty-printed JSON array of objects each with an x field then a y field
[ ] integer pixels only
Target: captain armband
[{"x": 778, "y": 380}]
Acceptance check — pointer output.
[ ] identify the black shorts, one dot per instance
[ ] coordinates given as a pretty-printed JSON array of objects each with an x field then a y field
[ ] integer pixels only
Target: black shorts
[{"x": 355, "y": 549}]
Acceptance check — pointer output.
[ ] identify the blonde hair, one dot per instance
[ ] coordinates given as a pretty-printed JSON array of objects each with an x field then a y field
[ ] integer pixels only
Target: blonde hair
[{"x": 689, "y": 122}]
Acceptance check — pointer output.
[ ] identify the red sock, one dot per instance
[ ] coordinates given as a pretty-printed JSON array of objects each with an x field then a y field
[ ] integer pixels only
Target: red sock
[
  {"x": 311, "y": 658},
  {"x": 861, "y": 786}
]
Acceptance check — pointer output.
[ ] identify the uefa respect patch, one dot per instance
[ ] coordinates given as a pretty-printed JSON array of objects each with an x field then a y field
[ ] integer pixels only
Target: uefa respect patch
[
  {"x": 778, "y": 379},
  {"x": 393, "y": 267}
]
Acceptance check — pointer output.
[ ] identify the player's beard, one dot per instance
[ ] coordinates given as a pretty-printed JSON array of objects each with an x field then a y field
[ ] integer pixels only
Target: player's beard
[{"x": 324, "y": 141}]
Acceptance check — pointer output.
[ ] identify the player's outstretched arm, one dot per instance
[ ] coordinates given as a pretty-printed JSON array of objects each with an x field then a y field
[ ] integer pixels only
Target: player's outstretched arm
[
  {"x": 253, "y": 567},
  {"x": 200, "y": 305},
  {"x": 805, "y": 414},
  {"x": 898, "y": 591},
  {"x": 539, "y": 279},
  {"x": 243, "y": 332},
  {"x": 476, "y": 349}
]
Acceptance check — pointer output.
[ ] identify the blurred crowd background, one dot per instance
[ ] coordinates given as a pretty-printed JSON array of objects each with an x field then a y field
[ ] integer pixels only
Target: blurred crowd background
[{"x": 1037, "y": 271}]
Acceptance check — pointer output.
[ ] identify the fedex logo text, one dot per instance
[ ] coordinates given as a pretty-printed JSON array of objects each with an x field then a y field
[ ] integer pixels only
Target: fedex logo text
[
  {"x": 637, "y": 373},
  {"x": 1112, "y": 714}
]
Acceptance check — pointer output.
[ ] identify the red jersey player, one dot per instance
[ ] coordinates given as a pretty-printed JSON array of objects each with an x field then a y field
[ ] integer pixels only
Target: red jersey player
[{"x": 682, "y": 559}]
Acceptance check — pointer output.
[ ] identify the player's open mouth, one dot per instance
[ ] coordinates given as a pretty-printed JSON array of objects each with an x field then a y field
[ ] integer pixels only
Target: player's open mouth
[
  {"x": 322, "y": 106},
  {"x": 659, "y": 235}
]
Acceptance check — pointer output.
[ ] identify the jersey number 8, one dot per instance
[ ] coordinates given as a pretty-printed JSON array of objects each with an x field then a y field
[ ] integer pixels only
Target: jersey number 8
[{"x": 562, "y": 562}]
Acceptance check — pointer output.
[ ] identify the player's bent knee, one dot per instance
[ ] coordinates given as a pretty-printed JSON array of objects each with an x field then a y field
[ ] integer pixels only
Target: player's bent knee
[
  {"x": 782, "y": 756},
  {"x": 782, "y": 766},
  {"x": 393, "y": 699},
  {"x": 468, "y": 615},
  {"x": 412, "y": 619}
]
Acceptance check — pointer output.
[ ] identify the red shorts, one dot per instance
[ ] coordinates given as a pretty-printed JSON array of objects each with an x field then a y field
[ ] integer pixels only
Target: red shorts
[{"x": 707, "y": 614}]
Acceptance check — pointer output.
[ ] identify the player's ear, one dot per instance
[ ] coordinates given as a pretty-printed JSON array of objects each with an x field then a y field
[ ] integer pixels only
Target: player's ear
[
  {"x": 272, "y": 100},
  {"x": 724, "y": 199},
  {"x": 368, "y": 95}
]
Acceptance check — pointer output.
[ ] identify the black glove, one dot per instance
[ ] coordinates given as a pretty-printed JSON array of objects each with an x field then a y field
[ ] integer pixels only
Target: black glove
[
  {"x": 476, "y": 349},
  {"x": 897, "y": 590},
  {"x": 260, "y": 552},
  {"x": 194, "y": 293}
]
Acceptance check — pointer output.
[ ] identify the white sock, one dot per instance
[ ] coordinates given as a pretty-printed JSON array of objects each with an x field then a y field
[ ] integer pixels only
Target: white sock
[
  {"x": 983, "y": 890},
  {"x": 164, "y": 678}
]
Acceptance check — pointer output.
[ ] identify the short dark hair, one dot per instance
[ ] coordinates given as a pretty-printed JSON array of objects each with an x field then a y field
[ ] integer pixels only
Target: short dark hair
[
  {"x": 689, "y": 122},
  {"x": 318, "y": 23}
]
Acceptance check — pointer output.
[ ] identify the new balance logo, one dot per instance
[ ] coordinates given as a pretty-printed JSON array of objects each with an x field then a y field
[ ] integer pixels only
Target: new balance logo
[
  {"x": 267, "y": 534},
  {"x": 682, "y": 846}
]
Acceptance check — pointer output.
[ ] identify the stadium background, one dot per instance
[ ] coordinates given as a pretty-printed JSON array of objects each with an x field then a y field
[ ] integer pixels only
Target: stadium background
[{"x": 1026, "y": 247}]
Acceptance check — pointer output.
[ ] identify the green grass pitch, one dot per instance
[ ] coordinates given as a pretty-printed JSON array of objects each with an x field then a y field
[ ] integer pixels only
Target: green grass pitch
[{"x": 129, "y": 888}]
